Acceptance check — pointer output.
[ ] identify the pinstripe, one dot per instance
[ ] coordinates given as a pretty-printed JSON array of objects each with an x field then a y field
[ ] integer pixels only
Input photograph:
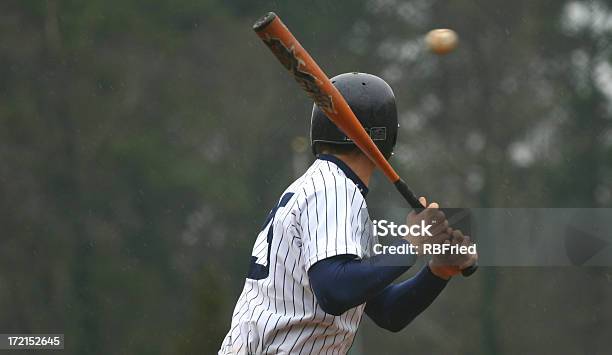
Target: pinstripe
[
  {"x": 336, "y": 203},
  {"x": 325, "y": 337},
  {"x": 247, "y": 311},
  {"x": 326, "y": 214},
  {"x": 346, "y": 209},
  {"x": 284, "y": 307},
  {"x": 303, "y": 311},
  {"x": 246, "y": 307},
  {"x": 317, "y": 215},
  {"x": 302, "y": 330},
  {"x": 293, "y": 303},
  {"x": 284, "y": 280}
]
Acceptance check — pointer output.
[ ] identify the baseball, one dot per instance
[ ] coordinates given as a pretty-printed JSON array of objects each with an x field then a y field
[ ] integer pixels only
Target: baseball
[{"x": 442, "y": 41}]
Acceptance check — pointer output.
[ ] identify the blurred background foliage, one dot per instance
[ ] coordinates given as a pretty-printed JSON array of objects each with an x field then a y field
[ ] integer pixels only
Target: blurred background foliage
[{"x": 143, "y": 142}]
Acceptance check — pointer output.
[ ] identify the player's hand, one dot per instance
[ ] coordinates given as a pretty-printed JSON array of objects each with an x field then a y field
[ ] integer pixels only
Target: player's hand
[
  {"x": 433, "y": 216},
  {"x": 447, "y": 265}
]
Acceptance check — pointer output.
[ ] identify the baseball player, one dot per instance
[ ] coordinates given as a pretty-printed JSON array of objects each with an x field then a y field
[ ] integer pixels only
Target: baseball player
[{"x": 313, "y": 273}]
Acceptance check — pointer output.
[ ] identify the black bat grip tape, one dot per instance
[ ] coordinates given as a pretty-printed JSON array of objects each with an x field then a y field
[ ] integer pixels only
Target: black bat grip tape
[{"x": 414, "y": 202}]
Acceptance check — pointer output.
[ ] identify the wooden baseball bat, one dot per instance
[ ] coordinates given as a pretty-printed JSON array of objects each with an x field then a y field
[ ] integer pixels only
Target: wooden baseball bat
[{"x": 317, "y": 85}]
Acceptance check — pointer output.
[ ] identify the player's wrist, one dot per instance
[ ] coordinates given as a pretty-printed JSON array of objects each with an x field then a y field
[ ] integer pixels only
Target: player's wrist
[{"x": 444, "y": 272}]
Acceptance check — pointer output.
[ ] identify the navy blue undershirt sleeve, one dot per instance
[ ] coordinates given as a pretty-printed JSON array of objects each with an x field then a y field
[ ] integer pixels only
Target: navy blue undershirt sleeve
[
  {"x": 342, "y": 282},
  {"x": 397, "y": 305}
]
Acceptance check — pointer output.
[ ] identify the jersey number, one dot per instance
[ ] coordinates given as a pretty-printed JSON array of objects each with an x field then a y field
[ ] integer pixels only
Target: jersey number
[{"x": 258, "y": 271}]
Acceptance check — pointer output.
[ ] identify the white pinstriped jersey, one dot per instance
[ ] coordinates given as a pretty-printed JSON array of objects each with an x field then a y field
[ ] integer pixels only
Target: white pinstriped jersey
[{"x": 322, "y": 214}]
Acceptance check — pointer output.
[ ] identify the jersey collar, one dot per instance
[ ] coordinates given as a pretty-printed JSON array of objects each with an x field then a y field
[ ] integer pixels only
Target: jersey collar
[{"x": 347, "y": 171}]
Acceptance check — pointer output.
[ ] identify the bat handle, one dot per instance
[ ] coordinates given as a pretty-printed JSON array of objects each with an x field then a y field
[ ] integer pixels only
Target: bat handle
[
  {"x": 414, "y": 202},
  {"x": 468, "y": 271}
]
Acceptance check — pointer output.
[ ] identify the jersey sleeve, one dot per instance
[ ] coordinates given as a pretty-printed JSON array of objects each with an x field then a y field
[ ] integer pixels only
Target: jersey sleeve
[{"x": 334, "y": 218}]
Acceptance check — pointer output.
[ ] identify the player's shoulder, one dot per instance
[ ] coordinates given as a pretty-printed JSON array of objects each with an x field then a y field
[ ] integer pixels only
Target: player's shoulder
[
  {"x": 326, "y": 177},
  {"x": 331, "y": 174}
]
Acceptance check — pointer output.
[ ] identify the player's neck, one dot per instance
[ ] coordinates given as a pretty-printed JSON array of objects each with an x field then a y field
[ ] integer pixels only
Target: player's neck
[{"x": 360, "y": 164}]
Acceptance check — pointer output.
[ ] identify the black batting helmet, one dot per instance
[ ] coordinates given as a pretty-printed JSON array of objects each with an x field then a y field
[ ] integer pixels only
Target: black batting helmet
[{"x": 372, "y": 101}]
